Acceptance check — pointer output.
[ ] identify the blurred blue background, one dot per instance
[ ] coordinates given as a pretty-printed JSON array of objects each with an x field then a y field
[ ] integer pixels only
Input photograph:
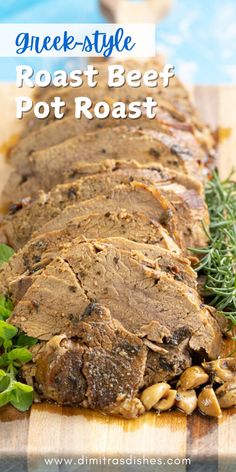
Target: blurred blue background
[{"x": 199, "y": 36}]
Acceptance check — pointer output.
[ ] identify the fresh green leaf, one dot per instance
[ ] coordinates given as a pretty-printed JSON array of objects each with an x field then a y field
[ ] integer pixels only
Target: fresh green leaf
[
  {"x": 14, "y": 354},
  {"x": 5, "y": 397},
  {"x": 2, "y": 374},
  {"x": 5, "y": 253},
  {"x": 20, "y": 354},
  {"x": 4, "y": 360},
  {"x": 7, "y": 331},
  {"x": 24, "y": 387},
  {"x": 6, "y": 307},
  {"x": 7, "y": 344},
  {"x": 4, "y": 381},
  {"x": 6, "y": 302},
  {"x": 21, "y": 396},
  {"x": 24, "y": 340}
]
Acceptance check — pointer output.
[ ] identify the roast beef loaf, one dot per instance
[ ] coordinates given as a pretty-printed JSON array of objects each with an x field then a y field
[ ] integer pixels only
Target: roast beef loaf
[
  {"x": 134, "y": 196},
  {"x": 59, "y": 163},
  {"x": 127, "y": 284},
  {"x": 19, "y": 274},
  {"x": 102, "y": 367},
  {"x": 102, "y": 213}
]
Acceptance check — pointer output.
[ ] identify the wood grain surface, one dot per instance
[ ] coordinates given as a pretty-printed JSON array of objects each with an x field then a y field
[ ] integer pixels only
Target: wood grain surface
[{"x": 48, "y": 431}]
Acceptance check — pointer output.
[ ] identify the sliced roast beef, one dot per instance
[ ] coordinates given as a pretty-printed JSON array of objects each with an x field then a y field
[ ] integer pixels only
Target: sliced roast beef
[
  {"x": 69, "y": 127},
  {"x": 185, "y": 195},
  {"x": 121, "y": 198},
  {"x": 42, "y": 249},
  {"x": 17, "y": 276},
  {"x": 101, "y": 368},
  {"x": 57, "y": 374},
  {"x": 147, "y": 301},
  {"x": 103, "y": 283},
  {"x": 135, "y": 196},
  {"x": 63, "y": 162}
]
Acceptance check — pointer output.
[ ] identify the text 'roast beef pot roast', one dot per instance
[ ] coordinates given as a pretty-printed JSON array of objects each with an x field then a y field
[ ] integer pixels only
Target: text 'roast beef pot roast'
[{"x": 102, "y": 215}]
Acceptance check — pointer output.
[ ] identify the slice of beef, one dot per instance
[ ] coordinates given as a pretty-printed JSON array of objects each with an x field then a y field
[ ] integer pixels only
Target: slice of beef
[
  {"x": 102, "y": 367},
  {"x": 135, "y": 196},
  {"x": 67, "y": 128},
  {"x": 120, "y": 199},
  {"x": 185, "y": 195},
  {"x": 61, "y": 130},
  {"x": 147, "y": 301},
  {"x": 41, "y": 250},
  {"x": 17, "y": 276},
  {"x": 66, "y": 161}
]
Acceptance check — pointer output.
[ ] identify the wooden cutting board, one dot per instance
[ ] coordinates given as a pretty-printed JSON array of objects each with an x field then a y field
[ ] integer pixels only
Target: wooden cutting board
[{"x": 48, "y": 431}]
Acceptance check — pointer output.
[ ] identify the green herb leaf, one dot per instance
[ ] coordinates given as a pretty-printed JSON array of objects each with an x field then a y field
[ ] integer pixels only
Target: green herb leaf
[
  {"x": 4, "y": 360},
  {"x": 6, "y": 307},
  {"x": 5, "y": 397},
  {"x": 4, "y": 381},
  {"x": 5, "y": 253},
  {"x": 24, "y": 340},
  {"x": 7, "y": 331},
  {"x": 21, "y": 396},
  {"x": 20, "y": 354},
  {"x": 14, "y": 354},
  {"x": 23, "y": 387},
  {"x": 7, "y": 344}
]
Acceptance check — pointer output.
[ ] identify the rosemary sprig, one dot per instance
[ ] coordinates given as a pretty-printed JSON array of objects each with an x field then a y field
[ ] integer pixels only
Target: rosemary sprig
[{"x": 218, "y": 263}]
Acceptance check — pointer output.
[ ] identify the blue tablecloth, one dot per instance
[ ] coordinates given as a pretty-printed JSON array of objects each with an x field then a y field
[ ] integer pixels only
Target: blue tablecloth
[{"x": 199, "y": 36}]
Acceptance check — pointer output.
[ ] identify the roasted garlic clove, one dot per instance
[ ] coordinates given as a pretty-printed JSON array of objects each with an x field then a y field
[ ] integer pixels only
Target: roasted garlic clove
[
  {"x": 226, "y": 394},
  {"x": 186, "y": 401},
  {"x": 192, "y": 378},
  {"x": 151, "y": 395},
  {"x": 221, "y": 370},
  {"x": 167, "y": 402},
  {"x": 208, "y": 403}
]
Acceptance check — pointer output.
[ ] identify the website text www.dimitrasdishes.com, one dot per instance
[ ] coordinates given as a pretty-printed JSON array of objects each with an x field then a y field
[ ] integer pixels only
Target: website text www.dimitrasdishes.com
[{"x": 116, "y": 461}]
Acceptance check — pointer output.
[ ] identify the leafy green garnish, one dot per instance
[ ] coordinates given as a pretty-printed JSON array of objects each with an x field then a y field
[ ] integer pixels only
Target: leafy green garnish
[
  {"x": 219, "y": 258},
  {"x": 14, "y": 353},
  {"x": 5, "y": 253},
  {"x": 6, "y": 307},
  {"x": 24, "y": 340}
]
